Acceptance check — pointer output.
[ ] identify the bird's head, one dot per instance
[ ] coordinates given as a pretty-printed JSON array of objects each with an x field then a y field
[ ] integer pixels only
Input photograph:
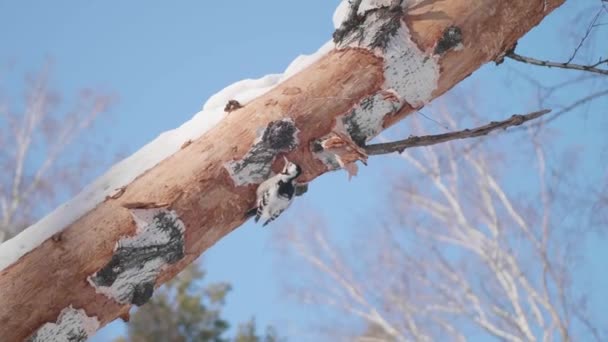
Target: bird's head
[{"x": 291, "y": 170}]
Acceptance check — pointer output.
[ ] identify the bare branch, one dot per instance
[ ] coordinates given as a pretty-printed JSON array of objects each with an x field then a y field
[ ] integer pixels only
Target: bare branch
[
  {"x": 567, "y": 65},
  {"x": 41, "y": 124},
  {"x": 574, "y": 105},
  {"x": 587, "y": 33},
  {"x": 428, "y": 140}
]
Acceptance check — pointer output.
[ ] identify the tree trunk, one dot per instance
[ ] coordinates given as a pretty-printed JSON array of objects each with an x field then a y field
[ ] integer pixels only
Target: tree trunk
[{"x": 386, "y": 63}]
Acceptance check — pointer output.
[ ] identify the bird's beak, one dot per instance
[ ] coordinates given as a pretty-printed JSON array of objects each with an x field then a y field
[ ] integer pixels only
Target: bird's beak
[{"x": 286, "y": 161}]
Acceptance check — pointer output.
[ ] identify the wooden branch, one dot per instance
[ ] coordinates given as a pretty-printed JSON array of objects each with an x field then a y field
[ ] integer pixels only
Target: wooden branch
[
  {"x": 386, "y": 64},
  {"x": 566, "y": 65},
  {"x": 427, "y": 140}
]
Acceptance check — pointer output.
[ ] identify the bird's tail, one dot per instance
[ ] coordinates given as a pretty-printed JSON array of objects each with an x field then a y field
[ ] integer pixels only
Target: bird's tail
[{"x": 251, "y": 213}]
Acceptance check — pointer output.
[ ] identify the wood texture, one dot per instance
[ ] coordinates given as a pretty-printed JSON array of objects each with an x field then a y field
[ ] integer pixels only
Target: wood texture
[{"x": 197, "y": 186}]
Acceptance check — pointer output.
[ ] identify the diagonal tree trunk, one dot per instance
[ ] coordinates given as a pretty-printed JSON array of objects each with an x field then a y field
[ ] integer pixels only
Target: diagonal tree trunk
[{"x": 388, "y": 61}]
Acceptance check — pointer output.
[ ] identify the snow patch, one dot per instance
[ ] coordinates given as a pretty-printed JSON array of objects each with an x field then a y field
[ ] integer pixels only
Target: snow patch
[
  {"x": 243, "y": 91},
  {"x": 72, "y": 325},
  {"x": 341, "y": 13},
  {"x": 304, "y": 61},
  {"x": 130, "y": 275},
  {"x": 247, "y": 90},
  {"x": 166, "y": 144}
]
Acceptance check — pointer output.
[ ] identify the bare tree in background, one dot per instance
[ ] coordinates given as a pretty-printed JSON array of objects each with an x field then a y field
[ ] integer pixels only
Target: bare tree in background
[
  {"x": 35, "y": 133},
  {"x": 463, "y": 257},
  {"x": 478, "y": 242}
]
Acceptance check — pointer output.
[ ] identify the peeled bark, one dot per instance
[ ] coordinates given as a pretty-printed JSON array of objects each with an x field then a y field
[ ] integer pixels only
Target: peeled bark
[{"x": 200, "y": 194}]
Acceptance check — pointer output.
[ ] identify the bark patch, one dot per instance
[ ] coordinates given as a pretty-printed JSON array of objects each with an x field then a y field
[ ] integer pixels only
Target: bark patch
[
  {"x": 278, "y": 137},
  {"x": 451, "y": 39},
  {"x": 363, "y": 122},
  {"x": 410, "y": 74},
  {"x": 372, "y": 29},
  {"x": 130, "y": 275},
  {"x": 72, "y": 325}
]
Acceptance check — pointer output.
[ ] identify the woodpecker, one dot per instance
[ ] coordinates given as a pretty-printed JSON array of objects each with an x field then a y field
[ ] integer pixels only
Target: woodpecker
[{"x": 275, "y": 194}]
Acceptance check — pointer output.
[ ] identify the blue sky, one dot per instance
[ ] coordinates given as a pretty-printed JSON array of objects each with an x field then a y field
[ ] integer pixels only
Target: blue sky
[{"x": 164, "y": 59}]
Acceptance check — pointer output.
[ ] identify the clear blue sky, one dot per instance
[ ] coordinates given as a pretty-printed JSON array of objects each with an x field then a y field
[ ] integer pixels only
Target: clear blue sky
[{"x": 164, "y": 59}]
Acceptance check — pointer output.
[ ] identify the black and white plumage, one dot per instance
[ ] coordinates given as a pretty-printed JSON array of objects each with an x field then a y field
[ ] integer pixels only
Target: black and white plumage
[{"x": 275, "y": 194}]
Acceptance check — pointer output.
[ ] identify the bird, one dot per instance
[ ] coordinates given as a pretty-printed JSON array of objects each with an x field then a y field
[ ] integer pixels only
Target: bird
[{"x": 275, "y": 194}]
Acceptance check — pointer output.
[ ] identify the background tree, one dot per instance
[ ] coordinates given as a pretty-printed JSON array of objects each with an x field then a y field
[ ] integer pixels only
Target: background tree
[
  {"x": 187, "y": 310},
  {"x": 462, "y": 257},
  {"x": 44, "y": 158},
  {"x": 247, "y": 332},
  {"x": 479, "y": 240}
]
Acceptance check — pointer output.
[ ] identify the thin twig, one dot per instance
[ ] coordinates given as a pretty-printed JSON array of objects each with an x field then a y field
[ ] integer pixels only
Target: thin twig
[
  {"x": 587, "y": 33},
  {"x": 601, "y": 61},
  {"x": 567, "y": 65},
  {"x": 427, "y": 140},
  {"x": 574, "y": 105},
  {"x": 444, "y": 126}
]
